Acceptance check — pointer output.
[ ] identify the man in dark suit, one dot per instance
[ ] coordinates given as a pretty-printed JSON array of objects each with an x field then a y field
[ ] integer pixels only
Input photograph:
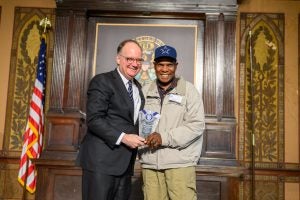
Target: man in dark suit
[{"x": 108, "y": 150}]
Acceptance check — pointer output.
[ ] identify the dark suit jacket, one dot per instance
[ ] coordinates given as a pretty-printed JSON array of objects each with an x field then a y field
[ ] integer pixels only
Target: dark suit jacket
[{"x": 109, "y": 113}]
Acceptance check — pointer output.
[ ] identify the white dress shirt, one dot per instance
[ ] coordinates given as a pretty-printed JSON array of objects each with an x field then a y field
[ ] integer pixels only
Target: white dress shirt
[{"x": 136, "y": 99}]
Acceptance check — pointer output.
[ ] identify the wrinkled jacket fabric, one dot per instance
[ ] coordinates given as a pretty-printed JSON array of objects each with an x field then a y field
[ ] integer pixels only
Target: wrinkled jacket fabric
[{"x": 181, "y": 127}]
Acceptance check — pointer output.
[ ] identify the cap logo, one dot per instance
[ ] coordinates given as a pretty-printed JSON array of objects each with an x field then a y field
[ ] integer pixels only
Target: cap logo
[{"x": 165, "y": 50}]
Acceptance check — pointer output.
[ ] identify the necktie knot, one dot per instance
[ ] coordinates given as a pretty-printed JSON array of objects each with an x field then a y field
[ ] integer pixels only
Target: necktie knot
[{"x": 130, "y": 90}]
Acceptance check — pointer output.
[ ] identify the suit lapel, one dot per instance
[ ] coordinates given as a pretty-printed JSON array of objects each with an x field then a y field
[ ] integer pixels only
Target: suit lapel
[{"x": 123, "y": 91}]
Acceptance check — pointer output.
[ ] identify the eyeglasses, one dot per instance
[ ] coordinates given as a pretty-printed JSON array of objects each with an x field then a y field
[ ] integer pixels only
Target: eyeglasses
[{"x": 131, "y": 60}]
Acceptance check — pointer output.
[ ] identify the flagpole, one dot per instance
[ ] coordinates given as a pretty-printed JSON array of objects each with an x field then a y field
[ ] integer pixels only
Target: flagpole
[{"x": 252, "y": 137}]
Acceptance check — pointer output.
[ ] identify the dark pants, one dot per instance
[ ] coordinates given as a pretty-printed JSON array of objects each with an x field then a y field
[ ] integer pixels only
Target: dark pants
[{"x": 98, "y": 186}]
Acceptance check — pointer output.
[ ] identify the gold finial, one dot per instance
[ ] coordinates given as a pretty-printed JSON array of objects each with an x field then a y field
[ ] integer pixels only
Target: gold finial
[{"x": 45, "y": 24}]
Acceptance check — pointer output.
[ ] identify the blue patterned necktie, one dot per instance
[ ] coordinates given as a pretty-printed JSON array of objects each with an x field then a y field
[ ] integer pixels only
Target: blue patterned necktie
[{"x": 130, "y": 90}]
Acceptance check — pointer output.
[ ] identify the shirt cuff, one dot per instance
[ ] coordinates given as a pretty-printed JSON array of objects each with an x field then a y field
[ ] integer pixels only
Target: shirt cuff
[{"x": 120, "y": 138}]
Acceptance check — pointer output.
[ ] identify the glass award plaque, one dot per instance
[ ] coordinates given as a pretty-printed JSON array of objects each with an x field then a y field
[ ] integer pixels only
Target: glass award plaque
[{"x": 148, "y": 121}]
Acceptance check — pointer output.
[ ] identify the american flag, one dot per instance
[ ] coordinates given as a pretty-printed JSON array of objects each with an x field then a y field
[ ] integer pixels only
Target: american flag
[{"x": 33, "y": 136}]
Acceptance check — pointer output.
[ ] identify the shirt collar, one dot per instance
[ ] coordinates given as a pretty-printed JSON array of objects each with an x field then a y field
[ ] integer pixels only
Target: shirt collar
[
  {"x": 124, "y": 79},
  {"x": 171, "y": 87}
]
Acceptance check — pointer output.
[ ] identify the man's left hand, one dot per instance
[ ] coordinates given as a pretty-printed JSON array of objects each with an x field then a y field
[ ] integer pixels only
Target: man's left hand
[{"x": 153, "y": 140}]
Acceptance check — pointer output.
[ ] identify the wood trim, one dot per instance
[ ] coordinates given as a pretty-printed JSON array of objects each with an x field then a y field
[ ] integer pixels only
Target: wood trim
[
  {"x": 145, "y": 14},
  {"x": 187, "y": 6},
  {"x": 220, "y": 67}
]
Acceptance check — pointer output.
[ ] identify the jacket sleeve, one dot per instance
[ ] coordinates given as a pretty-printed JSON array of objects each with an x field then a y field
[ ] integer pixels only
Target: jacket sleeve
[{"x": 98, "y": 100}]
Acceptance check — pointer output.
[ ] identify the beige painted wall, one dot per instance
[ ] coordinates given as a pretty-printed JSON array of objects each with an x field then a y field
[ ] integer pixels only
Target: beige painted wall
[
  {"x": 6, "y": 32},
  {"x": 291, "y": 10},
  {"x": 292, "y": 191}
]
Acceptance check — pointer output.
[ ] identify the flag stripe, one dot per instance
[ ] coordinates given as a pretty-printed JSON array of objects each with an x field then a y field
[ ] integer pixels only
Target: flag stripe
[{"x": 33, "y": 135}]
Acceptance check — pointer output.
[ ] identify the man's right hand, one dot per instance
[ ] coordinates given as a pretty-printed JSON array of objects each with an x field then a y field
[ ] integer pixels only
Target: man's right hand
[
  {"x": 133, "y": 140},
  {"x": 154, "y": 140}
]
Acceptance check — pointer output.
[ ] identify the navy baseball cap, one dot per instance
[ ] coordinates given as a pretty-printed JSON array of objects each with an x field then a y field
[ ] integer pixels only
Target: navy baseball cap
[{"x": 165, "y": 51}]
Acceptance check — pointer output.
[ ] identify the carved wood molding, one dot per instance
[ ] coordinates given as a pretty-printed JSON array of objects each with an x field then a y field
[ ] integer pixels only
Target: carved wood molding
[{"x": 188, "y": 6}]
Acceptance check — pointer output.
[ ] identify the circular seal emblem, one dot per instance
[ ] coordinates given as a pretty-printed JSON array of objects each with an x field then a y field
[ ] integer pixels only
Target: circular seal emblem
[
  {"x": 148, "y": 44},
  {"x": 149, "y": 117}
]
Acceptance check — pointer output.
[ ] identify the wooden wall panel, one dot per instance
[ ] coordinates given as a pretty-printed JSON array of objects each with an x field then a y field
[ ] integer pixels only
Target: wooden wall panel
[
  {"x": 75, "y": 93},
  {"x": 59, "y": 183},
  {"x": 218, "y": 90},
  {"x": 219, "y": 143},
  {"x": 210, "y": 62},
  {"x": 59, "y": 62},
  {"x": 146, "y": 6},
  {"x": 67, "y": 187},
  {"x": 219, "y": 66},
  {"x": 213, "y": 188},
  {"x": 230, "y": 66},
  {"x": 67, "y": 89},
  {"x": 9, "y": 186},
  {"x": 63, "y": 134}
]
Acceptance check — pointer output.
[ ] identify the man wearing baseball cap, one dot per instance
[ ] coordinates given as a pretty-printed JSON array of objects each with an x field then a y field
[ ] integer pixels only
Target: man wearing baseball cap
[{"x": 173, "y": 149}]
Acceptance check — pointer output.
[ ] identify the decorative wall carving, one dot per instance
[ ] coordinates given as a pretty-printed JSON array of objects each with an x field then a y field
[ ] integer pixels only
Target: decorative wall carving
[
  {"x": 261, "y": 113},
  {"x": 25, "y": 47},
  {"x": 262, "y": 89}
]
